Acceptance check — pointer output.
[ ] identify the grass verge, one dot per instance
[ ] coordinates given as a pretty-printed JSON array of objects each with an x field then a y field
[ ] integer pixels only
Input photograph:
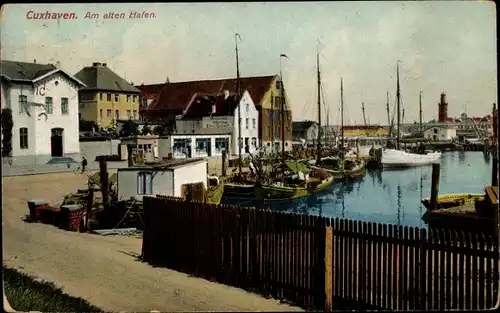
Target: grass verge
[{"x": 24, "y": 293}]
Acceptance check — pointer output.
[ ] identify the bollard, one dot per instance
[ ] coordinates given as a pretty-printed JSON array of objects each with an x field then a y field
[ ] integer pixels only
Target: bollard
[{"x": 435, "y": 185}]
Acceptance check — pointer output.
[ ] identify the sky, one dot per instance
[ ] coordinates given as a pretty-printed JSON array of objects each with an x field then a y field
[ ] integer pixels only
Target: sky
[{"x": 441, "y": 46}]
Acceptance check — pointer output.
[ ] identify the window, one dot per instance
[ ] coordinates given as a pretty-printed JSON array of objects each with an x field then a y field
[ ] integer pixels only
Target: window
[
  {"x": 101, "y": 96},
  {"x": 23, "y": 104},
  {"x": 435, "y": 131},
  {"x": 276, "y": 131},
  {"x": 48, "y": 105},
  {"x": 247, "y": 122},
  {"x": 221, "y": 144},
  {"x": 276, "y": 115},
  {"x": 254, "y": 142},
  {"x": 129, "y": 115},
  {"x": 117, "y": 115},
  {"x": 135, "y": 99},
  {"x": 117, "y": 97},
  {"x": 100, "y": 114},
  {"x": 64, "y": 106},
  {"x": 253, "y": 123},
  {"x": 247, "y": 107},
  {"x": 144, "y": 183},
  {"x": 145, "y": 101},
  {"x": 23, "y": 138},
  {"x": 277, "y": 102},
  {"x": 108, "y": 97},
  {"x": 108, "y": 113},
  {"x": 128, "y": 98},
  {"x": 135, "y": 114}
]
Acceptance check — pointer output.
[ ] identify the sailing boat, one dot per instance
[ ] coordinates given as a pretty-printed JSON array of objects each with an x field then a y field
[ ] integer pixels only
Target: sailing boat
[
  {"x": 396, "y": 158},
  {"x": 291, "y": 180},
  {"x": 339, "y": 168}
]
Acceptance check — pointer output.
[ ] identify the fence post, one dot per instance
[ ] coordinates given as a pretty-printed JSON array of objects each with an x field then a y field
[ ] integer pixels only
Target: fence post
[{"x": 328, "y": 269}]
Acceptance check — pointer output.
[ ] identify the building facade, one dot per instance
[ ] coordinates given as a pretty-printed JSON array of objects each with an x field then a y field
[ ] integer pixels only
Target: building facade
[
  {"x": 210, "y": 125},
  {"x": 44, "y": 103},
  {"x": 163, "y": 101},
  {"x": 305, "y": 131},
  {"x": 107, "y": 97}
]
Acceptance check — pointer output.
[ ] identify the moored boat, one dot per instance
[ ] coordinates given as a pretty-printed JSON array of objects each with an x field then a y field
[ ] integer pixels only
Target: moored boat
[{"x": 453, "y": 200}]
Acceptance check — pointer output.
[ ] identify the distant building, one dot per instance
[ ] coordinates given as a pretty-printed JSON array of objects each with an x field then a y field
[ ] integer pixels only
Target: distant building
[
  {"x": 107, "y": 97},
  {"x": 173, "y": 99},
  {"x": 365, "y": 131},
  {"x": 170, "y": 179},
  {"x": 441, "y": 132},
  {"x": 209, "y": 126},
  {"x": 44, "y": 103},
  {"x": 305, "y": 131}
]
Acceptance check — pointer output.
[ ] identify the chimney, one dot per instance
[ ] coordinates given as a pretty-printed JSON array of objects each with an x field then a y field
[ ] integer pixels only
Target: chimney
[
  {"x": 96, "y": 64},
  {"x": 34, "y": 61},
  {"x": 442, "y": 109},
  {"x": 104, "y": 64},
  {"x": 168, "y": 80},
  {"x": 58, "y": 64}
]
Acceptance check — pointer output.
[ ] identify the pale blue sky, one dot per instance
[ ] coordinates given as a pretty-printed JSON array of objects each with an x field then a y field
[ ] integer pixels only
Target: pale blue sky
[{"x": 443, "y": 46}]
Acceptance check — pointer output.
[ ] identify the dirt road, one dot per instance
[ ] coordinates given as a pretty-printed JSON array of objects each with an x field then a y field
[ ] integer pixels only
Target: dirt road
[{"x": 104, "y": 270}]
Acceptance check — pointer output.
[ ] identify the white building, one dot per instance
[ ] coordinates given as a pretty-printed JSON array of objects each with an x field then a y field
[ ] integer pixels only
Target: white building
[
  {"x": 209, "y": 126},
  {"x": 169, "y": 179},
  {"x": 44, "y": 103},
  {"x": 440, "y": 133}
]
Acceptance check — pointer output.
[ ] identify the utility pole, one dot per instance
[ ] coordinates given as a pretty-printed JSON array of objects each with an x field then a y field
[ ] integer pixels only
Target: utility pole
[
  {"x": 420, "y": 112},
  {"x": 236, "y": 36},
  {"x": 398, "y": 96}
]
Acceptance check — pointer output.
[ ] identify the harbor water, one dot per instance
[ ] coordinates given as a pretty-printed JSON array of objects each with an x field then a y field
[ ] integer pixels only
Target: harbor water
[{"x": 393, "y": 196}]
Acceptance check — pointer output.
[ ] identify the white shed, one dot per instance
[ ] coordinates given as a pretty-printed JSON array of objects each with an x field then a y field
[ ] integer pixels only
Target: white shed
[
  {"x": 165, "y": 178},
  {"x": 440, "y": 133}
]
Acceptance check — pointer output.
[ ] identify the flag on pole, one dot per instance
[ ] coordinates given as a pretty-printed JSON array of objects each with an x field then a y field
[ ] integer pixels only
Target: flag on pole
[{"x": 283, "y": 55}]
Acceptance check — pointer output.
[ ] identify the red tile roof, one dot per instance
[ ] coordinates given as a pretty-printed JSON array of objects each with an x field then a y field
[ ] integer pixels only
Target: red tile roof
[
  {"x": 211, "y": 105},
  {"x": 150, "y": 91},
  {"x": 174, "y": 97}
]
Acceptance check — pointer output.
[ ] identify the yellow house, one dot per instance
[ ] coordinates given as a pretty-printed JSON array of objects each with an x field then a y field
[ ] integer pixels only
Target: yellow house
[{"x": 107, "y": 97}]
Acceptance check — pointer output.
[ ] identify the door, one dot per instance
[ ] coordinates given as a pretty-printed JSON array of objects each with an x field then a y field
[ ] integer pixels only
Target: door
[{"x": 56, "y": 142}]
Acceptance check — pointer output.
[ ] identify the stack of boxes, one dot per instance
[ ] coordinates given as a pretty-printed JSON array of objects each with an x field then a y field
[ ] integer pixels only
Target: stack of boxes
[
  {"x": 71, "y": 217},
  {"x": 36, "y": 207}
]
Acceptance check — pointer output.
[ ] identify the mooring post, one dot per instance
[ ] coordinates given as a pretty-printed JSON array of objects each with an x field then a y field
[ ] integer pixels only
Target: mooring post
[
  {"x": 224, "y": 162},
  {"x": 435, "y": 185},
  {"x": 104, "y": 178},
  {"x": 494, "y": 170}
]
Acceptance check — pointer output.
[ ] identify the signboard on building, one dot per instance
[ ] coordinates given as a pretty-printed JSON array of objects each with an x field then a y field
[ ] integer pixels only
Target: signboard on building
[{"x": 217, "y": 122}]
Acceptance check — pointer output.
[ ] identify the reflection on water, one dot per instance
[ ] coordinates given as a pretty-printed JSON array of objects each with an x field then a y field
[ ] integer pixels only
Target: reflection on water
[{"x": 394, "y": 196}]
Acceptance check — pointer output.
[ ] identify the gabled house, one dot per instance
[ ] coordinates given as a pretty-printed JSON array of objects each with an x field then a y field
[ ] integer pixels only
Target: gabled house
[
  {"x": 44, "y": 103},
  {"x": 175, "y": 97},
  {"x": 107, "y": 97}
]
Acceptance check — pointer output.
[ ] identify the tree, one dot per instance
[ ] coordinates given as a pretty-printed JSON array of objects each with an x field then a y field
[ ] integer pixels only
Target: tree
[
  {"x": 166, "y": 127},
  {"x": 7, "y": 125},
  {"x": 88, "y": 126},
  {"x": 146, "y": 130},
  {"x": 129, "y": 128}
]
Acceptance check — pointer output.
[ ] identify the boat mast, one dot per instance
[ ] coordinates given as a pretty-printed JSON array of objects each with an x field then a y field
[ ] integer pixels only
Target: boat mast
[
  {"x": 318, "y": 153},
  {"x": 398, "y": 96},
  {"x": 236, "y": 36},
  {"x": 388, "y": 114},
  {"x": 420, "y": 112},
  {"x": 282, "y": 91},
  {"x": 342, "y": 117}
]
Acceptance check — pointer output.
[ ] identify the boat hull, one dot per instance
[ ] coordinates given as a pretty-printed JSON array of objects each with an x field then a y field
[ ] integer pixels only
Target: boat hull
[{"x": 453, "y": 200}]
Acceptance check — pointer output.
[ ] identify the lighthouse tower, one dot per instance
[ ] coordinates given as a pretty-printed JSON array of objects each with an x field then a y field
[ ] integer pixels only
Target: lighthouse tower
[{"x": 442, "y": 109}]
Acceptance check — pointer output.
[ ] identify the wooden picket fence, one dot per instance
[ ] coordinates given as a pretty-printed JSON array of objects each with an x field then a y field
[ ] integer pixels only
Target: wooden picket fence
[{"x": 322, "y": 263}]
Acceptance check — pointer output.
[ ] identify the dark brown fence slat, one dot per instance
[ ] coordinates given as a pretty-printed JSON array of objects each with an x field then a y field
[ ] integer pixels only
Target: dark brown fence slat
[
  {"x": 378, "y": 268},
  {"x": 489, "y": 271},
  {"x": 481, "y": 276},
  {"x": 388, "y": 281},
  {"x": 475, "y": 283},
  {"x": 468, "y": 270},
  {"x": 461, "y": 274},
  {"x": 362, "y": 262},
  {"x": 370, "y": 268}
]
